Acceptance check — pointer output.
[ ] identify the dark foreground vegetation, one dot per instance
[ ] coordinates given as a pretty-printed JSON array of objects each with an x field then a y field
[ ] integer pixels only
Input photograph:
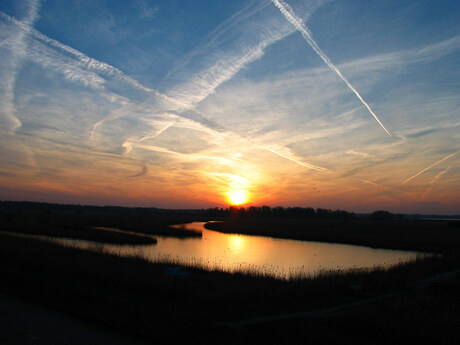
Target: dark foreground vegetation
[
  {"x": 197, "y": 306},
  {"x": 82, "y": 222},
  {"x": 138, "y": 298}
]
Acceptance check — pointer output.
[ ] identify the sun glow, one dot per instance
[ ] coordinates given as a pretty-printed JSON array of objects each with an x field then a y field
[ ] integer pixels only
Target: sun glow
[{"x": 237, "y": 197}]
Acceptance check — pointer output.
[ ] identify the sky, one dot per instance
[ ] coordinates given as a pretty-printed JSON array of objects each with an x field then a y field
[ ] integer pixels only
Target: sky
[{"x": 344, "y": 104}]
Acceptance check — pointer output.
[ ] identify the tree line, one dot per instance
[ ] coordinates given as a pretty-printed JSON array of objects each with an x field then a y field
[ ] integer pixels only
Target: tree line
[{"x": 280, "y": 212}]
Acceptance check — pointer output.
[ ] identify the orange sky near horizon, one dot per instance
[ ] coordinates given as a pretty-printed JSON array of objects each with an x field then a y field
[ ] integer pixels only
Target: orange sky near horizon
[{"x": 205, "y": 187}]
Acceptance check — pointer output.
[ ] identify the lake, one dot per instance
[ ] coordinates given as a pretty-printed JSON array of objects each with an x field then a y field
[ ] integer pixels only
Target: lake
[{"x": 280, "y": 258}]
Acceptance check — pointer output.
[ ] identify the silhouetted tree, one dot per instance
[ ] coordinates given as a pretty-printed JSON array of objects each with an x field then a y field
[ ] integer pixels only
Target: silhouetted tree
[{"x": 382, "y": 215}]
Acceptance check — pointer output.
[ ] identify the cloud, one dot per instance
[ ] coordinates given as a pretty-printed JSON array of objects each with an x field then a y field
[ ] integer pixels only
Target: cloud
[
  {"x": 420, "y": 133},
  {"x": 213, "y": 37},
  {"x": 143, "y": 171},
  {"x": 10, "y": 68},
  {"x": 357, "y": 153},
  {"x": 73, "y": 64},
  {"x": 224, "y": 66},
  {"x": 204, "y": 83},
  {"x": 183, "y": 97},
  {"x": 298, "y": 108},
  {"x": 393, "y": 60},
  {"x": 233, "y": 45},
  {"x": 146, "y": 12}
]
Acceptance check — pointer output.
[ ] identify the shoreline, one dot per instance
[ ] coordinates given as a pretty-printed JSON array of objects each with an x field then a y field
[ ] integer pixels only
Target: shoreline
[{"x": 430, "y": 237}]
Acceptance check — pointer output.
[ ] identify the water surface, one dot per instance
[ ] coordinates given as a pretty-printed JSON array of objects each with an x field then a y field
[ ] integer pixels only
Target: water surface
[
  {"x": 280, "y": 258},
  {"x": 277, "y": 257}
]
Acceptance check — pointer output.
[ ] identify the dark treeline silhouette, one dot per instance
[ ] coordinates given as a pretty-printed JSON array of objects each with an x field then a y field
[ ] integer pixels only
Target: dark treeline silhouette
[
  {"x": 280, "y": 212},
  {"x": 77, "y": 221},
  {"x": 252, "y": 211},
  {"x": 384, "y": 215},
  {"x": 144, "y": 217},
  {"x": 45, "y": 206}
]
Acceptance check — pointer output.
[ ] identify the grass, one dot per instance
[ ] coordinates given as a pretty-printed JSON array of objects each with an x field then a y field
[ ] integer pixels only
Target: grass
[{"x": 136, "y": 296}]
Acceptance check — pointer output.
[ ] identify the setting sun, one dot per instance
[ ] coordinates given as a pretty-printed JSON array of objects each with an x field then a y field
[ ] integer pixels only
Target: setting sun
[{"x": 237, "y": 197}]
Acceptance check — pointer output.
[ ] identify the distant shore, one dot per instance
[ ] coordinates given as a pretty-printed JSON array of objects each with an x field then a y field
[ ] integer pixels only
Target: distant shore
[{"x": 420, "y": 235}]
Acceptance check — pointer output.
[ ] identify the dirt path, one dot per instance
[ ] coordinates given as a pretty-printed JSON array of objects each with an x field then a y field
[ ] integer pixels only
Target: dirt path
[
  {"x": 343, "y": 307},
  {"x": 26, "y": 323}
]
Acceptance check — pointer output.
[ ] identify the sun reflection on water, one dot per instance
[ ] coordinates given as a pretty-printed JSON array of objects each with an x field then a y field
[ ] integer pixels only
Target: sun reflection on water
[
  {"x": 237, "y": 243},
  {"x": 258, "y": 255}
]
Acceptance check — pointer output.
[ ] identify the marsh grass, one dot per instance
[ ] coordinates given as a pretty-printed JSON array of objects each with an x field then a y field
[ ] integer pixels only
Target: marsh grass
[{"x": 134, "y": 295}]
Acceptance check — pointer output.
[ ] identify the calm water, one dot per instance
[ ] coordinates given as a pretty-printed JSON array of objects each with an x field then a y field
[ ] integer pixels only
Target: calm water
[{"x": 277, "y": 257}]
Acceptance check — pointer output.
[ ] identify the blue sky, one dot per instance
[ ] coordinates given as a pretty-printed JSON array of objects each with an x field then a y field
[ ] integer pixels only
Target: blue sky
[{"x": 336, "y": 104}]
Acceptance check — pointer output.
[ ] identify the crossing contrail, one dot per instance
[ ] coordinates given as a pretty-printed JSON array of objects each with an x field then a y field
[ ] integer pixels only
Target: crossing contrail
[
  {"x": 432, "y": 165},
  {"x": 288, "y": 12},
  {"x": 306, "y": 165},
  {"x": 433, "y": 181}
]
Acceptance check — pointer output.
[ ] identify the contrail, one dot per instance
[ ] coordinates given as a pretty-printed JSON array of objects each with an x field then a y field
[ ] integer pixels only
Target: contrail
[
  {"x": 432, "y": 165},
  {"x": 433, "y": 181},
  {"x": 158, "y": 133},
  {"x": 288, "y": 12},
  {"x": 84, "y": 60},
  {"x": 374, "y": 184},
  {"x": 230, "y": 68},
  {"x": 306, "y": 165}
]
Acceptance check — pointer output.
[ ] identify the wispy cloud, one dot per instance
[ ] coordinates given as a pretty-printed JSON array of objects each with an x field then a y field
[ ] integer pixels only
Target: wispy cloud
[
  {"x": 11, "y": 66},
  {"x": 126, "y": 107},
  {"x": 143, "y": 171},
  {"x": 225, "y": 67},
  {"x": 212, "y": 38},
  {"x": 83, "y": 60},
  {"x": 287, "y": 11},
  {"x": 390, "y": 61},
  {"x": 204, "y": 84},
  {"x": 357, "y": 153},
  {"x": 232, "y": 46},
  {"x": 184, "y": 97},
  {"x": 185, "y": 156},
  {"x": 75, "y": 66},
  {"x": 146, "y": 12}
]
